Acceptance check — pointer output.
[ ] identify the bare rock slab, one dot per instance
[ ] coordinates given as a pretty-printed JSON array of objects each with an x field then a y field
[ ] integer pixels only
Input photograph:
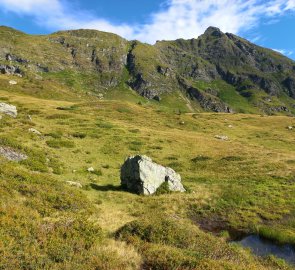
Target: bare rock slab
[
  {"x": 141, "y": 175},
  {"x": 74, "y": 184},
  {"x": 8, "y": 109},
  {"x": 12, "y": 154}
]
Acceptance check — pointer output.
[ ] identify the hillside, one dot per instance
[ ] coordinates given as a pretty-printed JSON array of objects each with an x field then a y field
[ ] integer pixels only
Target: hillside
[
  {"x": 215, "y": 72},
  {"x": 83, "y": 104}
]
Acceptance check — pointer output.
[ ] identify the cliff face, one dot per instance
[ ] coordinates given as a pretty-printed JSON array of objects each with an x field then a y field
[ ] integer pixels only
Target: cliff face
[{"x": 217, "y": 71}]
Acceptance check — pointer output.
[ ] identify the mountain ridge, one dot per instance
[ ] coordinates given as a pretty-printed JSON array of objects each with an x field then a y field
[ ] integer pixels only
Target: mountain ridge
[{"x": 217, "y": 71}]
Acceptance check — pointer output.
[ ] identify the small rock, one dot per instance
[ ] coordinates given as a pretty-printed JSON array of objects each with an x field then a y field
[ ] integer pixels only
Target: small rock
[
  {"x": 74, "y": 184},
  {"x": 74, "y": 171},
  {"x": 12, "y": 154},
  {"x": 230, "y": 126},
  {"x": 8, "y": 109},
  {"x": 30, "y": 117},
  {"x": 221, "y": 137},
  {"x": 181, "y": 123},
  {"x": 12, "y": 82},
  {"x": 91, "y": 169},
  {"x": 35, "y": 131},
  {"x": 141, "y": 175},
  {"x": 290, "y": 127}
]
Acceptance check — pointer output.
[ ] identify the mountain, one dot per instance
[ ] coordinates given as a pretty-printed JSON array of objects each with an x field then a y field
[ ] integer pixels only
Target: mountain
[
  {"x": 75, "y": 104},
  {"x": 218, "y": 71}
]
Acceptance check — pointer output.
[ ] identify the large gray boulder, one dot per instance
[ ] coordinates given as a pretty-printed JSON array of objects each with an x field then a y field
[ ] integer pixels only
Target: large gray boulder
[
  {"x": 8, "y": 109},
  {"x": 141, "y": 175}
]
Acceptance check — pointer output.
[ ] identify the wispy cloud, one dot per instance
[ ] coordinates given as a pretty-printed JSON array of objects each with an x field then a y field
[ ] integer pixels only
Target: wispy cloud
[
  {"x": 284, "y": 52},
  {"x": 59, "y": 15},
  {"x": 255, "y": 39},
  {"x": 176, "y": 19}
]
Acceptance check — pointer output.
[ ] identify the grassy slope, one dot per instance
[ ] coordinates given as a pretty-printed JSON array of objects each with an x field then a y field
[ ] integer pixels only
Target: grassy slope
[{"x": 244, "y": 184}]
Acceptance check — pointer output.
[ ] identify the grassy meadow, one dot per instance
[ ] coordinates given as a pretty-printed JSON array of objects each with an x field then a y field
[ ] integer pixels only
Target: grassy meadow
[{"x": 240, "y": 186}]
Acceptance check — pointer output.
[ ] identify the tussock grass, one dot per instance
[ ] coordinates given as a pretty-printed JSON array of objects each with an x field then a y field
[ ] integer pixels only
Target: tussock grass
[
  {"x": 58, "y": 143},
  {"x": 245, "y": 184}
]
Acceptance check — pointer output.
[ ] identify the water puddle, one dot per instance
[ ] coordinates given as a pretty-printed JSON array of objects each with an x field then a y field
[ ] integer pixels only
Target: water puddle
[{"x": 262, "y": 247}]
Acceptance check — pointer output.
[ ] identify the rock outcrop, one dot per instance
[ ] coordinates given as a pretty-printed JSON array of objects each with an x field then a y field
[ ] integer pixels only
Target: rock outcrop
[
  {"x": 11, "y": 70},
  {"x": 217, "y": 71},
  {"x": 35, "y": 131},
  {"x": 12, "y": 154},
  {"x": 74, "y": 184},
  {"x": 141, "y": 175},
  {"x": 8, "y": 109}
]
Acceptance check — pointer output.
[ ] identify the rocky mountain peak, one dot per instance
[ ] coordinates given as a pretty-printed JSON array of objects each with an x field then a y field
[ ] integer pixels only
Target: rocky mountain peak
[{"x": 213, "y": 31}]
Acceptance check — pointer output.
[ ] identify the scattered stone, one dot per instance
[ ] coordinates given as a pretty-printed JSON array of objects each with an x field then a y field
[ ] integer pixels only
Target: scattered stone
[
  {"x": 12, "y": 82},
  {"x": 8, "y": 69},
  {"x": 221, "y": 137},
  {"x": 230, "y": 126},
  {"x": 74, "y": 184},
  {"x": 157, "y": 98},
  {"x": 35, "y": 131},
  {"x": 181, "y": 123},
  {"x": 100, "y": 96},
  {"x": 74, "y": 171},
  {"x": 12, "y": 154},
  {"x": 91, "y": 169},
  {"x": 290, "y": 127},
  {"x": 8, "y": 109},
  {"x": 141, "y": 175},
  {"x": 30, "y": 117}
]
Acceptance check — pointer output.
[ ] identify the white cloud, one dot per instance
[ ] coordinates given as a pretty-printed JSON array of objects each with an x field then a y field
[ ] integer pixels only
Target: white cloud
[
  {"x": 33, "y": 7},
  {"x": 58, "y": 15},
  {"x": 290, "y": 5},
  {"x": 189, "y": 18},
  {"x": 177, "y": 19}
]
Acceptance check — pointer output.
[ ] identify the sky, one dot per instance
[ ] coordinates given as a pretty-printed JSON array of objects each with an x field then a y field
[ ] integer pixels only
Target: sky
[{"x": 267, "y": 23}]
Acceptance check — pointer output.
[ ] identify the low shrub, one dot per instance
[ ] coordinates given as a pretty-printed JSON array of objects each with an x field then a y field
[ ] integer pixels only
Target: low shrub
[
  {"x": 163, "y": 189},
  {"x": 60, "y": 143},
  {"x": 55, "y": 135},
  {"x": 79, "y": 135},
  {"x": 200, "y": 159},
  {"x": 70, "y": 108},
  {"x": 97, "y": 172},
  {"x": 58, "y": 116},
  {"x": 232, "y": 158}
]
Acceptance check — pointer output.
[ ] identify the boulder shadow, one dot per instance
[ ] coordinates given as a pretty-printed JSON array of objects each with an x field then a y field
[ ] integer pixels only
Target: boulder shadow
[{"x": 106, "y": 187}]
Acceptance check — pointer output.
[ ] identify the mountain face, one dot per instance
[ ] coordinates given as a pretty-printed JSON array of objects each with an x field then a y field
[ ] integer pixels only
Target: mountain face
[{"x": 217, "y": 71}]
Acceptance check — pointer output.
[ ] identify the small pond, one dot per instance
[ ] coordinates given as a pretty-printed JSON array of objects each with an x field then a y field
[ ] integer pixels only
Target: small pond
[{"x": 263, "y": 247}]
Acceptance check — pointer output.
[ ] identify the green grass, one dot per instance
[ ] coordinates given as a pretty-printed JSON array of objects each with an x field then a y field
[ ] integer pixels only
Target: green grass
[
  {"x": 245, "y": 184},
  {"x": 57, "y": 143}
]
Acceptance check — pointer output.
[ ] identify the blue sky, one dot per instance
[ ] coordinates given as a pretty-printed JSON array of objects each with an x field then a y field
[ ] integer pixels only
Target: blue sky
[{"x": 267, "y": 23}]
